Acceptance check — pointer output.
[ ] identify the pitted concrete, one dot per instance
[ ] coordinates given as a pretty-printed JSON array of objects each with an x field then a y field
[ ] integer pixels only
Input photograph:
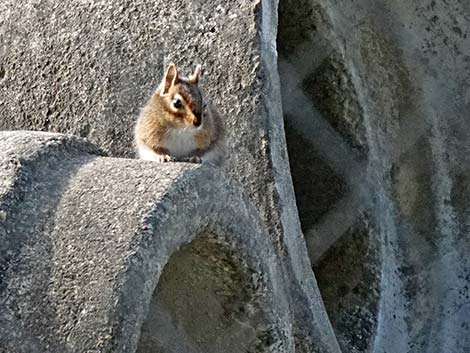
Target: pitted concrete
[
  {"x": 94, "y": 64},
  {"x": 85, "y": 239},
  {"x": 375, "y": 100},
  {"x": 377, "y": 91}
]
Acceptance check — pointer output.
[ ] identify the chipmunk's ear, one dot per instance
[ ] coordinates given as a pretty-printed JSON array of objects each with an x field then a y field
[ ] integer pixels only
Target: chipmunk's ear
[
  {"x": 195, "y": 76},
  {"x": 171, "y": 78}
]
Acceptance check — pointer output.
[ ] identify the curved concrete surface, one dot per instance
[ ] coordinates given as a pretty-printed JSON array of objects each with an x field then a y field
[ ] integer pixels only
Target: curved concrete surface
[{"x": 85, "y": 240}]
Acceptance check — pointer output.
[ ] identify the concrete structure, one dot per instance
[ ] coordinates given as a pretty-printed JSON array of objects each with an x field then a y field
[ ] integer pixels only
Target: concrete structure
[
  {"x": 85, "y": 240},
  {"x": 370, "y": 100}
]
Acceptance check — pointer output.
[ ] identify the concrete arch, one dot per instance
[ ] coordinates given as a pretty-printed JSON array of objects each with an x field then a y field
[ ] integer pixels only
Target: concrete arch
[{"x": 81, "y": 276}]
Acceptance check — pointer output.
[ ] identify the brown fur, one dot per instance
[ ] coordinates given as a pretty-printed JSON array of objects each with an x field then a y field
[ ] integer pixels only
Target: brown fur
[
  {"x": 203, "y": 139},
  {"x": 159, "y": 115}
]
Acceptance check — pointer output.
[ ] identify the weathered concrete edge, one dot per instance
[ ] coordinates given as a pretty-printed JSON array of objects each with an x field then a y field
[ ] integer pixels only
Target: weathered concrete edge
[
  {"x": 39, "y": 145},
  {"x": 209, "y": 214},
  {"x": 301, "y": 267},
  {"x": 146, "y": 265},
  {"x": 31, "y": 147}
]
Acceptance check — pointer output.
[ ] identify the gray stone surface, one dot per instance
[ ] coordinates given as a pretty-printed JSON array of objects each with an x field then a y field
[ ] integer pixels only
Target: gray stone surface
[
  {"x": 85, "y": 240},
  {"x": 378, "y": 90},
  {"x": 89, "y": 67},
  {"x": 375, "y": 99}
]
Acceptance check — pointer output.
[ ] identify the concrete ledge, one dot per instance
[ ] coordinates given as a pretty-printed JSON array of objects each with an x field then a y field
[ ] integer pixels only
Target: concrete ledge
[{"x": 85, "y": 239}]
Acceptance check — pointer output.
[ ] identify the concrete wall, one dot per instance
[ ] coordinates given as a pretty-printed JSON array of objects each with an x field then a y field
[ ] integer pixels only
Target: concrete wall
[
  {"x": 377, "y": 93},
  {"x": 87, "y": 68},
  {"x": 364, "y": 180}
]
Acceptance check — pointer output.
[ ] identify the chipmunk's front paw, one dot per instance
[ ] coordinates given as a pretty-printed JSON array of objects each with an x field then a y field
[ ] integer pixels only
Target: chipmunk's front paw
[{"x": 162, "y": 158}]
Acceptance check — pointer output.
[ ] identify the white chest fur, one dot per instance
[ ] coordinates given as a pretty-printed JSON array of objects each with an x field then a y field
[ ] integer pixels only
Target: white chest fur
[
  {"x": 180, "y": 142},
  {"x": 146, "y": 153}
]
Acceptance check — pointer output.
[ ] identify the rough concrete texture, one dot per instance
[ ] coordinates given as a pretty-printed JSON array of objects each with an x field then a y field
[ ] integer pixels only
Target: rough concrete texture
[
  {"x": 87, "y": 68},
  {"x": 85, "y": 240},
  {"x": 379, "y": 91},
  {"x": 375, "y": 93}
]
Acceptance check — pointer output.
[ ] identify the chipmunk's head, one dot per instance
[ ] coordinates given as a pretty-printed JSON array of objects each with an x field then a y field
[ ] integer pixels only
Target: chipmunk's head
[{"x": 182, "y": 98}]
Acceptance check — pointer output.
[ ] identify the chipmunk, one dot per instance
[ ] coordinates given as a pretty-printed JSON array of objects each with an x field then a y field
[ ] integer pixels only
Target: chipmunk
[{"x": 178, "y": 124}]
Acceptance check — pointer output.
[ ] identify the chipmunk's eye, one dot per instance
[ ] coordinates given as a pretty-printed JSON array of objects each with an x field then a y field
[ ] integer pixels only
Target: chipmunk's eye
[{"x": 177, "y": 103}]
